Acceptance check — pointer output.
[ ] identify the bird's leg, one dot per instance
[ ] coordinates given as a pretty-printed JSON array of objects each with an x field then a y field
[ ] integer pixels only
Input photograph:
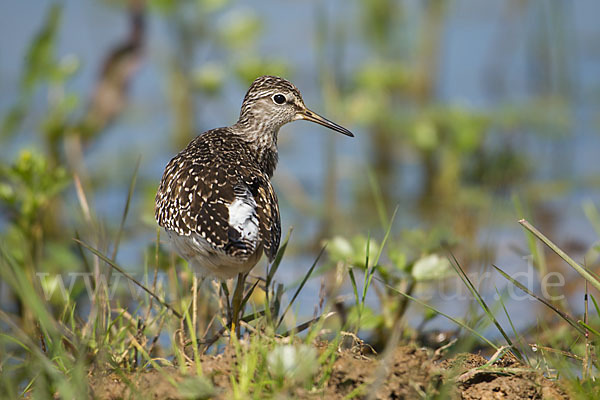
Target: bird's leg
[
  {"x": 225, "y": 293},
  {"x": 238, "y": 295},
  {"x": 195, "y": 304}
]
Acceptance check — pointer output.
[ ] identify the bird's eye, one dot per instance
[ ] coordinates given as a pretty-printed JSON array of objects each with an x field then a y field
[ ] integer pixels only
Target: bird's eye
[{"x": 279, "y": 99}]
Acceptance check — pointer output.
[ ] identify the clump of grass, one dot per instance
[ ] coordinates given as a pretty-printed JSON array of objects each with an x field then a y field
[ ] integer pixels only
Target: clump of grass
[{"x": 580, "y": 330}]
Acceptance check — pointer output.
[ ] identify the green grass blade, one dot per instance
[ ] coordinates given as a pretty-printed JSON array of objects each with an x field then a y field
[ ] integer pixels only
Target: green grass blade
[
  {"x": 312, "y": 267},
  {"x": 126, "y": 210},
  {"x": 131, "y": 278},
  {"x": 15, "y": 340},
  {"x": 368, "y": 279},
  {"x": 305, "y": 325},
  {"x": 589, "y": 328},
  {"x": 247, "y": 296},
  {"x": 592, "y": 214},
  {"x": 371, "y": 271},
  {"x": 14, "y": 275},
  {"x": 367, "y": 273},
  {"x": 457, "y": 322},
  {"x": 587, "y": 275},
  {"x": 512, "y": 326},
  {"x": 378, "y": 196},
  {"x": 354, "y": 287},
  {"x": 539, "y": 258},
  {"x": 387, "y": 235},
  {"x": 275, "y": 265},
  {"x": 194, "y": 339},
  {"x": 518, "y": 284},
  {"x": 463, "y": 276},
  {"x": 595, "y": 304}
]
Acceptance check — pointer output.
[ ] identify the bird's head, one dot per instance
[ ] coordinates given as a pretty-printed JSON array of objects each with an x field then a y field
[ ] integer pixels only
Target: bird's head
[{"x": 272, "y": 102}]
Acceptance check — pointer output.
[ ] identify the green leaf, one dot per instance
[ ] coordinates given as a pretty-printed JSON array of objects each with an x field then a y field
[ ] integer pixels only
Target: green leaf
[{"x": 431, "y": 267}]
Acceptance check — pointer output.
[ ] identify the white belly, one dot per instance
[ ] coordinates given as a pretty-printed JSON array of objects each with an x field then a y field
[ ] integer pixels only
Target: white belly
[{"x": 208, "y": 262}]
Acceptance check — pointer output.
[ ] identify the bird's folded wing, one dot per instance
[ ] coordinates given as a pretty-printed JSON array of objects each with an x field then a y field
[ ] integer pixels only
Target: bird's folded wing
[{"x": 234, "y": 209}]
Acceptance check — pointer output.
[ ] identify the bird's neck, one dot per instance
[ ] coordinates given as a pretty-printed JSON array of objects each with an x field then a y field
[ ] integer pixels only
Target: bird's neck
[{"x": 262, "y": 140}]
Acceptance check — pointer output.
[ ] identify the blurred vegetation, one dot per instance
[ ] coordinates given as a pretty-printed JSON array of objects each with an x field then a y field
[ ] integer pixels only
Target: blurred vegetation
[{"x": 389, "y": 239}]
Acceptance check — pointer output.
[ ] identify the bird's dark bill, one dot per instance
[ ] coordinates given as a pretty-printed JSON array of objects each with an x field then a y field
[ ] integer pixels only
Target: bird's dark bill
[{"x": 314, "y": 117}]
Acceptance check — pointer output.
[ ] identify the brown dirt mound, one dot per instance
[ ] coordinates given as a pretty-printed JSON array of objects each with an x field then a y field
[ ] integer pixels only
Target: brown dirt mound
[
  {"x": 408, "y": 373},
  {"x": 505, "y": 379}
]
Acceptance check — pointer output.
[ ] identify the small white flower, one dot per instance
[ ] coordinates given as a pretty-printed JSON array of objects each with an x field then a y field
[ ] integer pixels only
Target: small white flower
[{"x": 296, "y": 363}]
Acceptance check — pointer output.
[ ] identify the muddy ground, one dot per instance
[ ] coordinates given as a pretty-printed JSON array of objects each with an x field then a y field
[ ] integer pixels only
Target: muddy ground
[{"x": 408, "y": 373}]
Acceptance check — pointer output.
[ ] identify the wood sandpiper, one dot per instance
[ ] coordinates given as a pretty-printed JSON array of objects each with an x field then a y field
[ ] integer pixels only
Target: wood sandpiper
[{"x": 215, "y": 199}]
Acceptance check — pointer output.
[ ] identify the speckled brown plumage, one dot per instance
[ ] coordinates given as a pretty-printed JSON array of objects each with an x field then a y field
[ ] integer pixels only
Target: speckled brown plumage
[
  {"x": 201, "y": 182},
  {"x": 215, "y": 199}
]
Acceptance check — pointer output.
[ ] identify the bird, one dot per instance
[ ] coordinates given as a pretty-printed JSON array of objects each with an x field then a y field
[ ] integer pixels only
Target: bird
[{"x": 216, "y": 201}]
